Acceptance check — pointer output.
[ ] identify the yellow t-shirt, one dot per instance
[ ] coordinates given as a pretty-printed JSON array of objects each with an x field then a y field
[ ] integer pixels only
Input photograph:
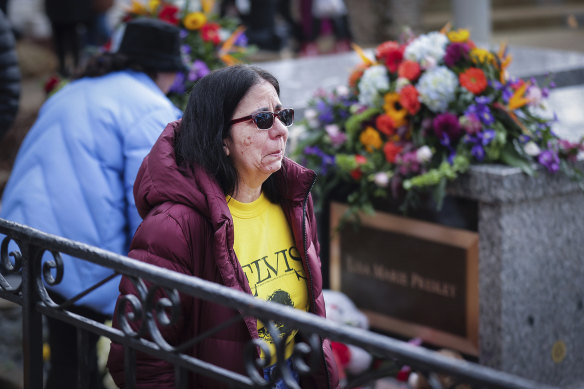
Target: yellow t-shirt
[{"x": 265, "y": 248}]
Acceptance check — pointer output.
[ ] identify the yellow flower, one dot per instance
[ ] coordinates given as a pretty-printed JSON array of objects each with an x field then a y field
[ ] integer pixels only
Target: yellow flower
[
  {"x": 371, "y": 139},
  {"x": 207, "y": 5},
  {"x": 481, "y": 56},
  {"x": 137, "y": 8},
  {"x": 227, "y": 46},
  {"x": 195, "y": 20},
  {"x": 394, "y": 110},
  {"x": 153, "y": 5},
  {"x": 461, "y": 35},
  {"x": 504, "y": 61},
  {"x": 361, "y": 54},
  {"x": 518, "y": 99}
]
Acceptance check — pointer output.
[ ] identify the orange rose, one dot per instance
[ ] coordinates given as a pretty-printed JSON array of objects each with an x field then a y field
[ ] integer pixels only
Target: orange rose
[
  {"x": 356, "y": 74},
  {"x": 384, "y": 123},
  {"x": 409, "y": 99},
  {"x": 391, "y": 151},
  {"x": 409, "y": 69}
]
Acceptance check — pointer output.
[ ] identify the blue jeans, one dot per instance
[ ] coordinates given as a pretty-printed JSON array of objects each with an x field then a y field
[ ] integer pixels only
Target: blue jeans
[{"x": 280, "y": 384}]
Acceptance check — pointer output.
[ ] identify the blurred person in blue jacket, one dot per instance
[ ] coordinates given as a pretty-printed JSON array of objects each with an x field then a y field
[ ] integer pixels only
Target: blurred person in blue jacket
[{"x": 74, "y": 173}]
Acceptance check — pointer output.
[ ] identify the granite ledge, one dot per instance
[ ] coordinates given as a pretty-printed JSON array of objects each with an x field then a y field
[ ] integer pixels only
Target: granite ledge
[{"x": 504, "y": 184}]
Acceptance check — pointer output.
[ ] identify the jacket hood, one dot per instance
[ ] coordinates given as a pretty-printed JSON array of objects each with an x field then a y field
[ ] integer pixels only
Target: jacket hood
[{"x": 160, "y": 179}]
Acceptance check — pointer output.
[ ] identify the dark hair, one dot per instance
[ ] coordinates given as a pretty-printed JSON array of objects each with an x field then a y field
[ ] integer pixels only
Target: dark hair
[
  {"x": 207, "y": 121},
  {"x": 105, "y": 63}
]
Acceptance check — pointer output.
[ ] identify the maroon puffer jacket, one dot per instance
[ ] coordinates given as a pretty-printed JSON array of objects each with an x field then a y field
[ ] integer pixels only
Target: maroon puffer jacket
[{"x": 188, "y": 228}]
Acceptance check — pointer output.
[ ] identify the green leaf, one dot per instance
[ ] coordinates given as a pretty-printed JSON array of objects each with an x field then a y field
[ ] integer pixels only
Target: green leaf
[
  {"x": 511, "y": 157},
  {"x": 353, "y": 124}
]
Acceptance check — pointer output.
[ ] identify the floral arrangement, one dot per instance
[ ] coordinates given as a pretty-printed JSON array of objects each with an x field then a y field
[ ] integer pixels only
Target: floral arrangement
[
  {"x": 209, "y": 42},
  {"x": 420, "y": 113}
]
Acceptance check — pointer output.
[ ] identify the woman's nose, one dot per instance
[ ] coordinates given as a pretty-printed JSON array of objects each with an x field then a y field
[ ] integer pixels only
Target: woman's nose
[{"x": 278, "y": 128}]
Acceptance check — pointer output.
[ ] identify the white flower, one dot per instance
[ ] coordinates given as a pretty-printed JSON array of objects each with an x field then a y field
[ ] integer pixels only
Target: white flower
[
  {"x": 436, "y": 88},
  {"x": 224, "y": 34},
  {"x": 423, "y": 154},
  {"x": 534, "y": 95},
  {"x": 342, "y": 91},
  {"x": 401, "y": 82},
  {"x": 427, "y": 47},
  {"x": 531, "y": 149},
  {"x": 381, "y": 179},
  {"x": 428, "y": 63},
  {"x": 374, "y": 81},
  {"x": 310, "y": 114}
]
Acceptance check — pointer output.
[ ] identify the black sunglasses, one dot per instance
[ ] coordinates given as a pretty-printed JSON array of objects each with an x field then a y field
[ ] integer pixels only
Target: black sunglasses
[{"x": 265, "y": 120}]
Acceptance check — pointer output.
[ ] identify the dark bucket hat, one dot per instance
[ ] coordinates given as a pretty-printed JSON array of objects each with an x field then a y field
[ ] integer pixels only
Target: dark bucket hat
[{"x": 153, "y": 44}]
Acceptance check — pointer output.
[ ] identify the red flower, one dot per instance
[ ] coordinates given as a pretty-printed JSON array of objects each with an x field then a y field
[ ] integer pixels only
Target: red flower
[
  {"x": 357, "y": 173},
  {"x": 168, "y": 13},
  {"x": 409, "y": 99},
  {"x": 384, "y": 123},
  {"x": 210, "y": 33},
  {"x": 409, "y": 69},
  {"x": 391, "y": 53},
  {"x": 474, "y": 80},
  {"x": 51, "y": 84},
  {"x": 391, "y": 151}
]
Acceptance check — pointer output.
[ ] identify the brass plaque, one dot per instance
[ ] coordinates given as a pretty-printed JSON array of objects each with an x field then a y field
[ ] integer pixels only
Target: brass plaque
[{"x": 410, "y": 277}]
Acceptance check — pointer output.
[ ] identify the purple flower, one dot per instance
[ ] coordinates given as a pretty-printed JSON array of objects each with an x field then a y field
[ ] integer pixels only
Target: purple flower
[
  {"x": 198, "y": 70},
  {"x": 455, "y": 52},
  {"x": 447, "y": 123},
  {"x": 185, "y": 49},
  {"x": 550, "y": 160},
  {"x": 326, "y": 160},
  {"x": 241, "y": 40},
  {"x": 486, "y": 136},
  {"x": 178, "y": 86},
  {"x": 445, "y": 140},
  {"x": 183, "y": 33},
  {"x": 482, "y": 111},
  {"x": 325, "y": 112},
  {"x": 506, "y": 93},
  {"x": 495, "y": 84},
  {"x": 408, "y": 163},
  {"x": 483, "y": 100},
  {"x": 478, "y": 152}
]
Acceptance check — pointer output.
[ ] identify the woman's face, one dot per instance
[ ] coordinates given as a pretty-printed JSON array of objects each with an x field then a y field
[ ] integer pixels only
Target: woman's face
[{"x": 255, "y": 153}]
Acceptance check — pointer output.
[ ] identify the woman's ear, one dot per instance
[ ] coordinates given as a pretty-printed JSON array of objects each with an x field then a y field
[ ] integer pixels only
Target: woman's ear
[{"x": 226, "y": 149}]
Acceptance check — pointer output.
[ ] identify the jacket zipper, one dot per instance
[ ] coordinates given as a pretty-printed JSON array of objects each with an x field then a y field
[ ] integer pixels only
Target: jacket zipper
[{"x": 312, "y": 298}]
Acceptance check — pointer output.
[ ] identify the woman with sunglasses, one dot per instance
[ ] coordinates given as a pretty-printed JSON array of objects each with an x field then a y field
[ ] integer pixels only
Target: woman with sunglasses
[{"x": 221, "y": 202}]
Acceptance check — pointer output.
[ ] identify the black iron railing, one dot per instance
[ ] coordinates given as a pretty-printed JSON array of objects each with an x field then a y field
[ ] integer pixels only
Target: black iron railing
[{"x": 25, "y": 276}]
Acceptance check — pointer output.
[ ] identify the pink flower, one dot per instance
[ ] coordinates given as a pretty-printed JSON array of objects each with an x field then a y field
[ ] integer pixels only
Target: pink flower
[{"x": 337, "y": 137}]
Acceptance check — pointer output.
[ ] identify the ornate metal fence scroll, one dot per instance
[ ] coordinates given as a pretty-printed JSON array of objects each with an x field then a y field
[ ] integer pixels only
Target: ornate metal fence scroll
[{"x": 25, "y": 276}]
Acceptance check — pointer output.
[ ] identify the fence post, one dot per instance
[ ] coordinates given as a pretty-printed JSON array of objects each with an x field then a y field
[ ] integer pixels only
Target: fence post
[{"x": 32, "y": 320}]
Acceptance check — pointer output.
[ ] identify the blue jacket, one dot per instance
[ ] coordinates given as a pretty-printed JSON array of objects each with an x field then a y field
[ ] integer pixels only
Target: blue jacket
[{"x": 74, "y": 173}]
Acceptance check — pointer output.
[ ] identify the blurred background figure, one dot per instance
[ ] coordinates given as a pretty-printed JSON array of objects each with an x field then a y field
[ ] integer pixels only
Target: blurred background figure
[
  {"x": 321, "y": 17},
  {"x": 9, "y": 74},
  {"x": 76, "y": 24},
  {"x": 270, "y": 24},
  {"x": 75, "y": 171}
]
